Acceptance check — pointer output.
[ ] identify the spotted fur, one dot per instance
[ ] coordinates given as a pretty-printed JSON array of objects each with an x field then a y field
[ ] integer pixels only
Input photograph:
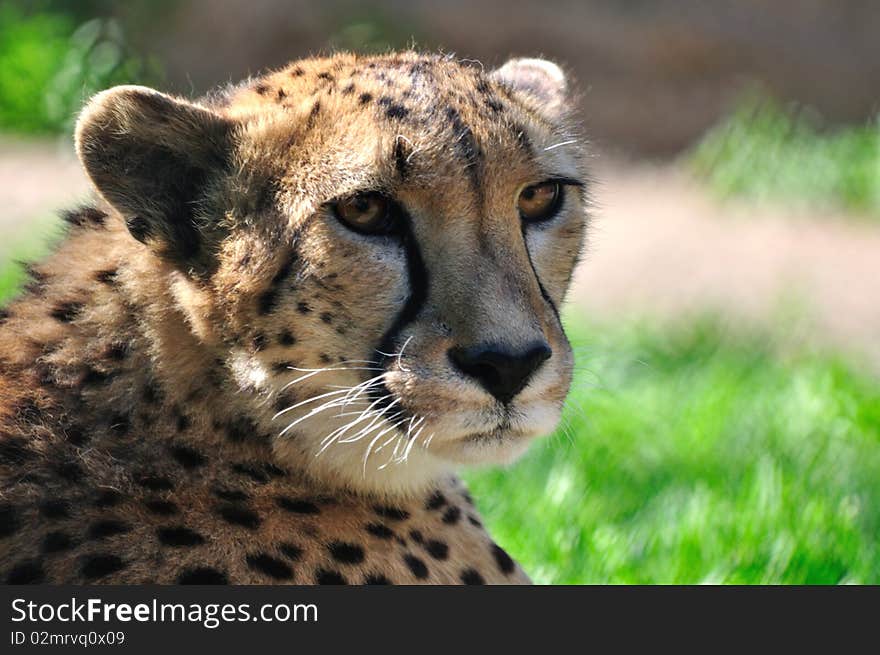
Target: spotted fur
[{"x": 158, "y": 372}]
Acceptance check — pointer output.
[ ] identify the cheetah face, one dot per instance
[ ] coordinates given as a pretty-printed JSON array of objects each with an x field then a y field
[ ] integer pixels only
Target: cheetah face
[{"x": 376, "y": 248}]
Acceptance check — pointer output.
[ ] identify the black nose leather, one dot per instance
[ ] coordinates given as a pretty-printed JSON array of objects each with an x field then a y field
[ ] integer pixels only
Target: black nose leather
[{"x": 500, "y": 370}]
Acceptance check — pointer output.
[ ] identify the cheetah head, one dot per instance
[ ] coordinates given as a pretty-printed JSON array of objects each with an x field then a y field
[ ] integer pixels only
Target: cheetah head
[{"x": 375, "y": 247}]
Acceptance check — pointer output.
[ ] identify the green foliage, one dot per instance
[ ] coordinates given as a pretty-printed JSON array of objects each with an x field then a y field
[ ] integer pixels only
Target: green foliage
[
  {"x": 689, "y": 456},
  {"x": 49, "y": 66},
  {"x": 764, "y": 151}
]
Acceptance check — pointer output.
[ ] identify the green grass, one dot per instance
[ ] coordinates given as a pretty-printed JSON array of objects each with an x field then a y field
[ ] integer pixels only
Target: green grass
[
  {"x": 766, "y": 152},
  {"x": 695, "y": 456},
  {"x": 51, "y": 61}
]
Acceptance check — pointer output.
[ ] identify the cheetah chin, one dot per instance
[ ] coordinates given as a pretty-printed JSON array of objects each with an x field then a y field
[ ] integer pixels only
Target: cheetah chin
[{"x": 294, "y": 308}]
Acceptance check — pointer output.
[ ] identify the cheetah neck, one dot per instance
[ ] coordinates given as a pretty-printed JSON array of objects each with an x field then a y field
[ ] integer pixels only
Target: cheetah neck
[{"x": 112, "y": 360}]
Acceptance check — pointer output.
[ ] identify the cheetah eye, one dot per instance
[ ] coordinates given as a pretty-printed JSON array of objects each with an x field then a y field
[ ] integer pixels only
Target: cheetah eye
[
  {"x": 539, "y": 202},
  {"x": 368, "y": 213}
]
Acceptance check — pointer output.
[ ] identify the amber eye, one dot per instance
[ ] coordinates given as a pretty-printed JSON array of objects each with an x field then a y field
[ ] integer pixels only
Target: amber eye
[
  {"x": 540, "y": 201},
  {"x": 370, "y": 213}
]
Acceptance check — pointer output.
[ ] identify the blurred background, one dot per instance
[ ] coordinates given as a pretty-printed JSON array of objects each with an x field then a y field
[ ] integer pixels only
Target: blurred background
[{"x": 724, "y": 425}]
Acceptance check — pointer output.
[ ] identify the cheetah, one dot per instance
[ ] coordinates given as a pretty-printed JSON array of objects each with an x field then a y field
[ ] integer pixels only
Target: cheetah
[{"x": 292, "y": 311}]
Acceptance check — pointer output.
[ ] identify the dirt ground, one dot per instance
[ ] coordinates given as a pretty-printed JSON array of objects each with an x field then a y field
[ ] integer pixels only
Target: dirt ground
[
  {"x": 663, "y": 247},
  {"x": 660, "y": 248}
]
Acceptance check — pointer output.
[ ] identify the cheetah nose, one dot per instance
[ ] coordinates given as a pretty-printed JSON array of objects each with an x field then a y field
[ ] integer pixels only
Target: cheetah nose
[{"x": 500, "y": 370}]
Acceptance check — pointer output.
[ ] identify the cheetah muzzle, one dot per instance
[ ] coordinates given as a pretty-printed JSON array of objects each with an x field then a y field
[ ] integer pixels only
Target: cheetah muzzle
[{"x": 294, "y": 309}]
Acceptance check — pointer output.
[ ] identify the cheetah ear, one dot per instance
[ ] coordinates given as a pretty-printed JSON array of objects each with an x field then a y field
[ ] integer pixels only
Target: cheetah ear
[
  {"x": 539, "y": 79},
  {"x": 152, "y": 156}
]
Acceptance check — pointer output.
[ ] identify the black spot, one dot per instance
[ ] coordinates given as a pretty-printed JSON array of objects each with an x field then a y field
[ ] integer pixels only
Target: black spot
[
  {"x": 202, "y": 575},
  {"x": 474, "y": 521},
  {"x": 108, "y": 498},
  {"x": 283, "y": 401},
  {"x": 282, "y": 367},
  {"x": 99, "y": 565},
  {"x": 117, "y": 351},
  {"x": 4, "y": 315},
  {"x": 281, "y": 95},
  {"x": 259, "y": 341},
  {"x": 120, "y": 424},
  {"x": 270, "y": 566},
  {"x": 107, "y": 276},
  {"x": 232, "y": 495},
  {"x": 67, "y": 312},
  {"x": 94, "y": 377},
  {"x": 326, "y": 76},
  {"x": 161, "y": 507},
  {"x": 152, "y": 393},
  {"x": 324, "y": 576},
  {"x": 417, "y": 566},
  {"x": 402, "y": 153},
  {"x": 472, "y": 577},
  {"x": 286, "y": 338},
  {"x": 467, "y": 498},
  {"x": 325, "y": 358},
  {"x": 396, "y": 110},
  {"x": 187, "y": 457},
  {"x": 84, "y": 216},
  {"x": 261, "y": 89},
  {"x": 239, "y": 429},
  {"x": 452, "y": 515},
  {"x": 291, "y": 551},
  {"x": 416, "y": 536},
  {"x": 267, "y": 301},
  {"x": 107, "y": 528},
  {"x": 364, "y": 98},
  {"x": 379, "y": 530},
  {"x": 29, "y": 572},
  {"x": 252, "y": 472},
  {"x": 69, "y": 471},
  {"x": 237, "y": 515},
  {"x": 303, "y": 308},
  {"x": 14, "y": 451},
  {"x": 348, "y": 89},
  {"x": 179, "y": 536},
  {"x": 297, "y": 72},
  {"x": 437, "y": 549},
  {"x": 154, "y": 482},
  {"x": 392, "y": 513},
  {"x": 275, "y": 471},
  {"x": 9, "y": 521},
  {"x": 297, "y": 506},
  {"x": 183, "y": 423},
  {"x": 436, "y": 501},
  {"x": 313, "y": 114},
  {"x": 346, "y": 553},
  {"x": 56, "y": 542},
  {"x": 376, "y": 579},
  {"x": 504, "y": 561}
]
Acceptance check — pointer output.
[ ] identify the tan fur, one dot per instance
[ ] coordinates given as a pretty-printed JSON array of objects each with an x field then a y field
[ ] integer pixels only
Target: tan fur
[{"x": 145, "y": 373}]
